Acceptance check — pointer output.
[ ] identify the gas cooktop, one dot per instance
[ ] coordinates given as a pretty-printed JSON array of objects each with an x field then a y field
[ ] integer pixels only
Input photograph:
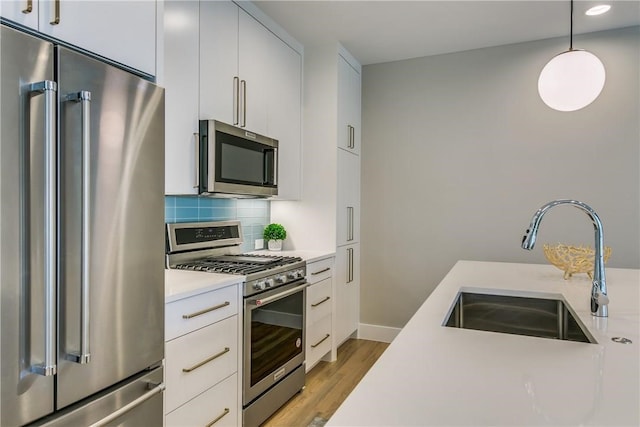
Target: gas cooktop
[{"x": 214, "y": 247}]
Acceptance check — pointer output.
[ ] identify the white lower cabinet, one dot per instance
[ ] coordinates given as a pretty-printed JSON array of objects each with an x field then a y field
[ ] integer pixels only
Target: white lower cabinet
[
  {"x": 202, "y": 352},
  {"x": 215, "y": 407},
  {"x": 347, "y": 291},
  {"x": 320, "y": 302}
]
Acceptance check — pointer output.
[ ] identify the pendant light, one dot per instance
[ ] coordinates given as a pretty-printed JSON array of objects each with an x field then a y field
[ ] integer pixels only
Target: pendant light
[{"x": 571, "y": 80}]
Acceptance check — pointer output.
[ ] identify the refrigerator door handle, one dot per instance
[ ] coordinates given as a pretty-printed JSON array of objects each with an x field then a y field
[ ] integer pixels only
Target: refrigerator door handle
[
  {"x": 49, "y": 89},
  {"x": 84, "y": 356},
  {"x": 128, "y": 407}
]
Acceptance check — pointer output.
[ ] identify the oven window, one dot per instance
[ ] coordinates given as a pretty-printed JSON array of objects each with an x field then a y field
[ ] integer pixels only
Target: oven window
[
  {"x": 241, "y": 161},
  {"x": 276, "y": 335}
]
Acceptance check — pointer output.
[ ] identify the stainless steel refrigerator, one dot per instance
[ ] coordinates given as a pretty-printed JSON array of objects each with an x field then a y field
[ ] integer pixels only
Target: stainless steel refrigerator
[{"x": 82, "y": 253}]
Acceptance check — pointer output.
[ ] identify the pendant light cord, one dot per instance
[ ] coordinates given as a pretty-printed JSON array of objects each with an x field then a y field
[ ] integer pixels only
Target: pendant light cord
[{"x": 571, "y": 29}]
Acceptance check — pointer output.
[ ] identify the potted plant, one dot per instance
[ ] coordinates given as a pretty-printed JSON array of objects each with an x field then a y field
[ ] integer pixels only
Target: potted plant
[{"x": 274, "y": 234}]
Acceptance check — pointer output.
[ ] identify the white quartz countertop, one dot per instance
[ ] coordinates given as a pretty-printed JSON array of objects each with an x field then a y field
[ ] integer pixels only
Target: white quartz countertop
[
  {"x": 433, "y": 375},
  {"x": 179, "y": 284},
  {"x": 307, "y": 255}
]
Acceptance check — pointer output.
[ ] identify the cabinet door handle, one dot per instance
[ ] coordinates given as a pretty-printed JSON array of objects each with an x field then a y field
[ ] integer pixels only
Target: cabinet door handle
[
  {"x": 196, "y": 137},
  {"x": 29, "y": 8},
  {"x": 350, "y": 265},
  {"x": 56, "y": 12},
  {"x": 236, "y": 100},
  {"x": 84, "y": 355},
  {"x": 243, "y": 88},
  {"x": 321, "y": 271},
  {"x": 205, "y": 361},
  {"x": 321, "y": 302},
  {"x": 349, "y": 223},
  {"x": 205, "y": 311},
  {"x": 321, "y": 341},
  {"x": 219, "y": 417}
]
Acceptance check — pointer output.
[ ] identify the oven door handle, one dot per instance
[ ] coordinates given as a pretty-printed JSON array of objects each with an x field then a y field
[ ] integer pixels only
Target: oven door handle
[{"x": 272, "y": 298}]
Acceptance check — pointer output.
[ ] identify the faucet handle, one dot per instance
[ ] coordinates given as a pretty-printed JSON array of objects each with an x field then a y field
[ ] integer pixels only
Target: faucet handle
[{"x": 602, "y": 299}]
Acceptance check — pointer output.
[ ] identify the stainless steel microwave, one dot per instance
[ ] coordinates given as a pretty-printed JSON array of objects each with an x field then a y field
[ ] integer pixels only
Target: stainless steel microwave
[{"x": 236, "y": 162}]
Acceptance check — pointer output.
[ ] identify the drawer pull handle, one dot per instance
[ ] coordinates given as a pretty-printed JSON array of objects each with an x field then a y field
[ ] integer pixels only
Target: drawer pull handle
[
  {"x": 205, "y": 311},
  {"x": 321, "y": 341},
  {"x": 323, "y": 301},
  {"x": 204, "y": 362},
  {"x": 321, "y": 271},
  {"x": 225, "y": 412}
]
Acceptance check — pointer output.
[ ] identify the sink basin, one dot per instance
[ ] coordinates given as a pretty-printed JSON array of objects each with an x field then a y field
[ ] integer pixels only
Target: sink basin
[{"x": 539, "y": 316}]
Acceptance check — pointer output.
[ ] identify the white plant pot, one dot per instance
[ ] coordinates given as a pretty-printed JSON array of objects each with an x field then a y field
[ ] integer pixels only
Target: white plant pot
[{"x": 274, "y": 245}]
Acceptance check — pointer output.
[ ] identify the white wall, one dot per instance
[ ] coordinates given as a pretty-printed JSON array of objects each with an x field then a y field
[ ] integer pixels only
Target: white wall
[{"x": 459, "y": 152}]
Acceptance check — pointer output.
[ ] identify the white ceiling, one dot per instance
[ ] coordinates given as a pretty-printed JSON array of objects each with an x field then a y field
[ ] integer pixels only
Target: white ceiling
[{"x": 383, "y": 31}]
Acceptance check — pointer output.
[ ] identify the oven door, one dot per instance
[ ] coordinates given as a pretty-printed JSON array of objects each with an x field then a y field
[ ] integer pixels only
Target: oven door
[{"x": 274, "y": 337}]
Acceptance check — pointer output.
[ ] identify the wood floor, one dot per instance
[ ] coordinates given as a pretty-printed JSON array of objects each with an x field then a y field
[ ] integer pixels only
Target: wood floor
[{"x": 328, "y": 384}]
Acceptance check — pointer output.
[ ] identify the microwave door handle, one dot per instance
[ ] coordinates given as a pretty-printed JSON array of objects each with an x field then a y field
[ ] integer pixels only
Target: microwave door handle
[{"x": 275, "y": 166}]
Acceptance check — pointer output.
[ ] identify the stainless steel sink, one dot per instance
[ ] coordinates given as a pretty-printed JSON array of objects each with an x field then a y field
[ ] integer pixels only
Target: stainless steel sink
[{"x": 532, "y": 316}]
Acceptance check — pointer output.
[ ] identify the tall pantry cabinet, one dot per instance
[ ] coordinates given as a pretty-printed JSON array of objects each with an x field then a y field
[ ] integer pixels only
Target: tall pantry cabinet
[{"x": 328, "y": 215}]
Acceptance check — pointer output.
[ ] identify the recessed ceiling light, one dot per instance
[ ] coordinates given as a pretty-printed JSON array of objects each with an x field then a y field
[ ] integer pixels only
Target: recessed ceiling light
[{"x": 598, "y": 10}]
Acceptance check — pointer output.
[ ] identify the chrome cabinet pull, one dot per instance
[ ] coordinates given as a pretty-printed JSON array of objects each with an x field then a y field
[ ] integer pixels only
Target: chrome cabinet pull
[
  {"x": 205, "y": 361},
  {"x": 321, "y": 341},
  {"x": 84, "y": 356},
  {"x": 56, "y": 10},
  {"x": 349, "y": 223},
  {"x": 353, "y": 137},
  {"x": 243, "y": 84},
  {"x": 350, "y": 265},
  {"x": 205, "y": 311},
  {"x": 49, "y": 89},
  {"x": 236, "y": 100},
  {"x": 219, "y": 417},
  {"x": 321, "y": 302},
  {"x": 196, "y": 137},
  {"x": 321, "y": 271},
  {"x": 128, "y": 407},
  {"x": 29, "y": 8}
]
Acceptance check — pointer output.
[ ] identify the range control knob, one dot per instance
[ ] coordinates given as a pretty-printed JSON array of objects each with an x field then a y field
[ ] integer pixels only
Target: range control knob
[
  {"x": 281, "y": 279},
  {"x": 294, "y": 274},
  {"x": 268, "y": 283},
  {"x": 259, "y": 286}
]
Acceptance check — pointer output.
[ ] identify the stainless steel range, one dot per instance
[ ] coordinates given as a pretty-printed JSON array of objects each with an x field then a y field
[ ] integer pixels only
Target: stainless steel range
[{"x": 274, "y": 296}]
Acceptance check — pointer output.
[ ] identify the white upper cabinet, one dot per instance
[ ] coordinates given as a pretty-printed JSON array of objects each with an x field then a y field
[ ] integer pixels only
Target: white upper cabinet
[
  {"x": 121, "y": 31},
  {"x": 219, "y": 79},
  {"x": 181, "y": 71},
  {"x": 251, "y": 78},
  {"x": 349, "y": 117}
]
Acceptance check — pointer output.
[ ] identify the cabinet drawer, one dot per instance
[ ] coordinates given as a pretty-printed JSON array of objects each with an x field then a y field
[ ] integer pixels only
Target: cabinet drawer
[
  {"x": 319, "y": 302},
  {"x": 318, "y": 340},
  {"x": 196, "y": 361},
  {"x": 218, "y": 403},
  {"x": 319, "y": 270},
  {"x": 192, "y": 313}
]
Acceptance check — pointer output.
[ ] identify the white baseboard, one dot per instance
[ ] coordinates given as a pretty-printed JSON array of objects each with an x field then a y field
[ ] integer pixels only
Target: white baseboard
[{"x": 377, "y": 333}]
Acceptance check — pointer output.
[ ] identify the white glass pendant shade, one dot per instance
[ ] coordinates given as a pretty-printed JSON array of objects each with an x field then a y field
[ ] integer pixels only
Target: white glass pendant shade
[{"x": 571, "y": 80}]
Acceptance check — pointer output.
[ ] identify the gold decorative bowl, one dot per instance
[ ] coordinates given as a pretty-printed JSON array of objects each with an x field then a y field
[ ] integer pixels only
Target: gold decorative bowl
[{"x": 573, "y": 259}]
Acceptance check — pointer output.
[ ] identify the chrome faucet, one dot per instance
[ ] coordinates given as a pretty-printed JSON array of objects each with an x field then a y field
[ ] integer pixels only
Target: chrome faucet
[{"x": 599, "y": 298}]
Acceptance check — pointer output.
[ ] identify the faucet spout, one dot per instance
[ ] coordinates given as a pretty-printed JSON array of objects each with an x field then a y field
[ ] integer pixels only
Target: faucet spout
[{"x": 599, "y": 298}]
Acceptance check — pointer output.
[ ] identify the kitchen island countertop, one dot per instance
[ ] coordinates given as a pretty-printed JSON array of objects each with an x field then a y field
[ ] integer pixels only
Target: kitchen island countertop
[{"x": 436, "y": 375}]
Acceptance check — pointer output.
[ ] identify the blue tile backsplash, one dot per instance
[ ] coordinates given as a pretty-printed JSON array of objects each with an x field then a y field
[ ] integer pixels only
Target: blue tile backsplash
[{"x": 252, "y": 213}]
